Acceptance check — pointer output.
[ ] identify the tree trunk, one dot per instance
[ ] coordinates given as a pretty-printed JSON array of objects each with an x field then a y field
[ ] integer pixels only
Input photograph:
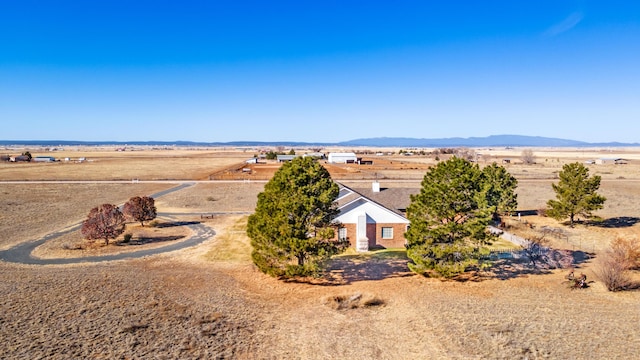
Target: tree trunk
[{"x": 301, "y": 259}]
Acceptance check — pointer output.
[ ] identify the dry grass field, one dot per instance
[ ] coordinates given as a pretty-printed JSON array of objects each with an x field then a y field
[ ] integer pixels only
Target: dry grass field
[
  {"x": 210, "y": 302},
  {"x": 30, "y": 211},
  {"x": 109, "y": 164}
]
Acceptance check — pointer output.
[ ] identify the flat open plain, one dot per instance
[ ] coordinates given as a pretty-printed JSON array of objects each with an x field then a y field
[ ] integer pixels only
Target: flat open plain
[{"x": 208, "y": 301}]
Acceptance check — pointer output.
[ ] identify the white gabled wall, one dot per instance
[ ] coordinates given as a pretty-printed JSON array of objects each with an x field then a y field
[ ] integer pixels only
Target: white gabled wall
[{"x": 375, "y": 213}]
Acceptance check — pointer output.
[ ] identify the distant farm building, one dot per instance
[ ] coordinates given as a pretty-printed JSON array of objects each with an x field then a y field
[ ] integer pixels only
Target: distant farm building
[
  {"x": 44, "y": 159},
  {"x": 285, "y": 158},
  {"x": 343, "y": 158},
  {"x": 252, "y": 161},
  {"x": 615, "y": 161},
  {"x": 20, "y": 158}
]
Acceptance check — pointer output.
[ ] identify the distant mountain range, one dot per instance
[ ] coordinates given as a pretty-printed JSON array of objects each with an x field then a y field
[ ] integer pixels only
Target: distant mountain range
[{"x": 493, "y": 140}]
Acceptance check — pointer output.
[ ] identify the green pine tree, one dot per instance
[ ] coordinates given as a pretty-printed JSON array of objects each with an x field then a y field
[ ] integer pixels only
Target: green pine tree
[
  {"x": 575, "y": 194},
  {"x": 291, "y": 230},
  {"x": 498, "y": 188},
  {"x": 448, "y": 220}
]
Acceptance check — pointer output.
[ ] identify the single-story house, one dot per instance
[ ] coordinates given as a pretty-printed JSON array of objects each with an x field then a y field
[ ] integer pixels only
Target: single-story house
[
  {"x": 375, "y": 219},
  {"x": 342, "y": 158}
]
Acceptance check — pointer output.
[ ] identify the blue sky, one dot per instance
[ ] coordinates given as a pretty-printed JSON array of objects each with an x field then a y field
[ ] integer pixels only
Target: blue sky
[{"x": 322, "y": 71}]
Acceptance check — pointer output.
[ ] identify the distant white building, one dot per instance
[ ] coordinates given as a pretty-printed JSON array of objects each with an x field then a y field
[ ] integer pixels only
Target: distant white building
[
  {"x": 285, "y": 158},
  {"x": 342, "y": 158},
  {"x": 44, "y": 159}
]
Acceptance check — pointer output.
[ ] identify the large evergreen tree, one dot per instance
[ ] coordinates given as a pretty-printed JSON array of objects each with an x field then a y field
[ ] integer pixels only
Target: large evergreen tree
[
  {"x": 448, "y": 220},
  {"x": 575, "y": 194},
  {"x": 498, "y": 188},
  {"x": 291, "y": 230}
]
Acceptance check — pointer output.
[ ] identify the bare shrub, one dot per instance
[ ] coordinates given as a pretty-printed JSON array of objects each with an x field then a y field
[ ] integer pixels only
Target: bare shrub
[
  {"x": 627, "y": 251},
  {"x": 528, "y": 157},
  {"x": 542, "y": 212},
  {"x": 612, "y": 272}
]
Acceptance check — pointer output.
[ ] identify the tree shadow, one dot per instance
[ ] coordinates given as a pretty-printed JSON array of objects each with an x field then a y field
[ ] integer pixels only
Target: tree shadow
[
  {"x": 505, "y": 269},
  {"x": 150, "y": 240},
  {"x": 347, "y": 269},
  {"x": 616, "y": 222},
  {"x": 176, "y": 223}
]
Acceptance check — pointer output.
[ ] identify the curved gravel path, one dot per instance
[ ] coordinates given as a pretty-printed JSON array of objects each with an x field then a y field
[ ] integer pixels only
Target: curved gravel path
[{"x": 22, "y": 253}]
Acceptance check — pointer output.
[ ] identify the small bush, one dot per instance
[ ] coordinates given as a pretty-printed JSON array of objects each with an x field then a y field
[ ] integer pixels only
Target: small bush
[
  {"x": 68, "y": 246},
  {"x": 154, "y": 223},
  {"x": 211, "y": 198},
  {"x": 542, "y": 212},
  {"x": 127, "y": 238}
]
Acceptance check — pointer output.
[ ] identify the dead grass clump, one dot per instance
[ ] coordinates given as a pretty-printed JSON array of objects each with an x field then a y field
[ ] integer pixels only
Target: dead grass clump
[
  {"x": 210, "y": 318},
  {"x": 70, "y": 246},
  {"x": 133, "y": 328},
  {"x": 355, "y": 301}
]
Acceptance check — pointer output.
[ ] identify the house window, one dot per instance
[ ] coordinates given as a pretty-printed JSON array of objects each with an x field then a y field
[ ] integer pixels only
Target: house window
[
  {"x": 387, "y": 233},
  {"x": 342, "y": 233}
]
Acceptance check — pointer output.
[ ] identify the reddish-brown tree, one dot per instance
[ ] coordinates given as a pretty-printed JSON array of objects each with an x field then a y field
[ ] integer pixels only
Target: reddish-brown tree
[
  {"x": 140, "y": 209},
  {"x": 103, "y": 222}
]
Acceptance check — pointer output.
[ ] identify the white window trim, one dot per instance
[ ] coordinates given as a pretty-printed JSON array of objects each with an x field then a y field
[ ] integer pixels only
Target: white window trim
[
  {"x": 342, "y": 236},
  {"x": 390, "y": 230}
]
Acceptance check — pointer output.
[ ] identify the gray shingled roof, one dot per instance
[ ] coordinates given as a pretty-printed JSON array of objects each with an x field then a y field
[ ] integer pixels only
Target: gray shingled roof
[{"x": 395, "y": 199}]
